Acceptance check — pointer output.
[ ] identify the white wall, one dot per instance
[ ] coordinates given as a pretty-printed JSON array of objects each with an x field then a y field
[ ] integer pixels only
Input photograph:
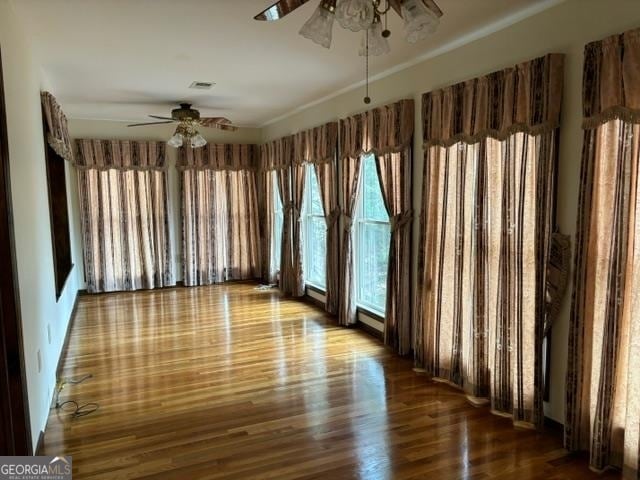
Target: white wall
[
  {"x": 23, "y": 81},
  {"x": 107, "y": 130},
  {"x": 565, "y": 28}
]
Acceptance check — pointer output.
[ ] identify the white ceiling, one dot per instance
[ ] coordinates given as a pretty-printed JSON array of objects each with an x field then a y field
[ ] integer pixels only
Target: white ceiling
[{"x": 124, "y": 59}]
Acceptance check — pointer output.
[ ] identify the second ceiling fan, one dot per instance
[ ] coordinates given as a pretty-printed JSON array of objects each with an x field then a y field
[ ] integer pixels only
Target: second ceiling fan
[{"x": 189, "y": 120}]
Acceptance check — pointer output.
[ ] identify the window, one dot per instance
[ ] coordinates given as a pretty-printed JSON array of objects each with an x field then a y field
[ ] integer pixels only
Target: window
[
  {"x": 278, "y": 219},
  {"x": 58, "y": 215},
  {"x": 372, "y": 240},
  {"x": 314, "y": 233}
]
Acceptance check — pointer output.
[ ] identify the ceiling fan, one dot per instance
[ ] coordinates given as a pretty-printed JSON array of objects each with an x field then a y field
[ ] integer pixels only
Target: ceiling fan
[
  {"x": 188, "y": 120},
  {"x": 421, "y": 18}
]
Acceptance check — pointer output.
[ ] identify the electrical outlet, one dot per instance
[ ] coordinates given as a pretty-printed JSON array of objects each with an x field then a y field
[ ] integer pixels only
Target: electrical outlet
[
  {"x": 49, "y": 332},
  {"x": 39, "y": 362}
]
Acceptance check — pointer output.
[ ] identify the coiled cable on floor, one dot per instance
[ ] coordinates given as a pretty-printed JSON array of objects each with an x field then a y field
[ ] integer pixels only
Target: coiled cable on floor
[{"x": 77, "y": 410}]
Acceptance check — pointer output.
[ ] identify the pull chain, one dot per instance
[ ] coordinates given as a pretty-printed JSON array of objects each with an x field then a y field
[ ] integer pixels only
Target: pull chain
[{"x": 367, "y": 99}]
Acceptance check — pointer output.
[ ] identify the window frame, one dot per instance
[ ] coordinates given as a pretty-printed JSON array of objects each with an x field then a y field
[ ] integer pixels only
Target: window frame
[
  {"x": 59, "y": 218},
  {"x": 360, "y": 222},
  {"x": 307, "y": 216},
  {"x": 276, "y": 233}
]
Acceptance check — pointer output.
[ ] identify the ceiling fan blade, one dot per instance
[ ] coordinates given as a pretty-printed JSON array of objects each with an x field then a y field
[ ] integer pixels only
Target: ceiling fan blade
[
  {"x": 221, "y": 126},
  {"x": 430, "y": 4},
  {"x": 230, "y": 128},
  {"x": 148, "y": 123},
  {"x": 279, "y": 10},
  {"x": 161, "y": 118},
  {"x": 213, "y": 121}
]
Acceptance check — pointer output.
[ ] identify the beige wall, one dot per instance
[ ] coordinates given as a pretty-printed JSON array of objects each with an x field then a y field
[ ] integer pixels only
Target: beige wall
[
  {"x": 104, "y": 129},
  {"x": 41, "y": 312},
  {"x": 564, "y": 28}
]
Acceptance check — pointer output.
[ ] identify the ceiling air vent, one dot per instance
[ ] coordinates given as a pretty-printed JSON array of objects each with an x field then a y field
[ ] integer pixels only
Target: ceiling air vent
[{"x": 202, "y": 85}]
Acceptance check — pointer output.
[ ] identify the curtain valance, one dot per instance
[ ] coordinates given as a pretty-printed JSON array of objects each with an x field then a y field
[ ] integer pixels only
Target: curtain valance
[
  {"x": 218, "y": 157},
  {"x": 317, "y": 145},
  {"x": 120, "y": 155},
  {"x": 381, "y": 130},
  {"x": 277, "y": 154},
  {"x": 611, "y": 77},
  {"x": 57, "y": 129},
  {"x": 524, "y": 98}
]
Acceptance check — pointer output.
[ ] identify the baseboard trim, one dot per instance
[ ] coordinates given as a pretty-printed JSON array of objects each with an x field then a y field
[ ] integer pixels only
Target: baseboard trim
[
  {"x": 63, "y": 353},
  {"x": 370, "y": 330},
  {"x": 65, "y": 344},
  {"x": 313, "y": 301},
  {"x": 40, "y": 444},
  {"x": 553, "y": 425}
]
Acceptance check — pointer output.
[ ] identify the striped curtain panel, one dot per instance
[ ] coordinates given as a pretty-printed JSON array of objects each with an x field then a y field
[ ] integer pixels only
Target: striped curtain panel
[
  {"x": 220, "y": 228},
  {"x": 486, "y": 223},
  {"x": 297, "y": 197},
  {"x": 395, "y": 174},
  {"x": 318, "y": 146},
  {"x": 387, "y": 132},
  {"x": 124, "y": 214},
  {"x": 603, "y": 378},
  {"x": 276, "y": 156}
]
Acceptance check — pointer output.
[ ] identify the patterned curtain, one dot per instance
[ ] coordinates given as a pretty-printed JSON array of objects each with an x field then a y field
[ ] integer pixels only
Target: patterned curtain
[
  {"x": 56, "y": 126},
  {"x": 486, "y": 223},
  {"x": 319, "y": 147},
  {"x": 277, "y": 156},
  {"x": 266, "y": 213},
  {"x": 603, "y": 379},
  {"x": 124, "y": 213},
  {"x": 297, "y": 197},
  {"x": 386, "y": 131},
  {"x": 328, "y": 181},
  {"x": 395, "y": 174},
  {"x": 220, "y": 237}
]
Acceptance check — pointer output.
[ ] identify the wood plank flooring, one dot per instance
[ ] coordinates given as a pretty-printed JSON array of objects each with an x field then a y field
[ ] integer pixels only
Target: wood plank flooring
[{"x": 230, "y": 382}]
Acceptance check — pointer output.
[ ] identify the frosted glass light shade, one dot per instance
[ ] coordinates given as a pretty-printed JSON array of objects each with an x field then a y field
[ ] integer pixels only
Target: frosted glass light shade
[
  {"x": 175, "y": 141},
  {"x": 319, "y": 28},
  {"x": 198, "y": 141},
  {"x": 355, "y": 15},
  {"x": 378, "y": 45},
  {"x": 419, "y": 21}
]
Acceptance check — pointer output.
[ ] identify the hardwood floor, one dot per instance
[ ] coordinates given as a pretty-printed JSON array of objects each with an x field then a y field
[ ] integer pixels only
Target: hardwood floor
[{"x": 237, "y": 383}]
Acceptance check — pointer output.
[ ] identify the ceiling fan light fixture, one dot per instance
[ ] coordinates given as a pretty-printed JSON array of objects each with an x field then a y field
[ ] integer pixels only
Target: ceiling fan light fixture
[
  {"x": 378, "y": 43},
  {"x": 198, "y": 141},
  {"x": 175, "y": 141},
  {"x": 355, "y": 15},
  {"x": 419, "y": 21},
  {"x": 319, "y": 28}
]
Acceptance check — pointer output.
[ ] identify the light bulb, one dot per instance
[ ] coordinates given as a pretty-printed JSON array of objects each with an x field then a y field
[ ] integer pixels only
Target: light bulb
[
  {"x": 419, "y": 21},
  {"x": 319, "y": 28},
  {"x": 378, "y": 45},
  {"x": 198, "y": 141},
  {"x": 355, "y": 15},
  {"x": 175, "y": 141}
]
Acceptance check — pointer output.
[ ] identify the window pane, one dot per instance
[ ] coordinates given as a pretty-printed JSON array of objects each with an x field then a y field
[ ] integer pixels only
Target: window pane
[
  {"x": 373, "y": 203},
  {"x": 315, "y": 200},
  {"x": 315, "y": 272},
  {"x": 314, "y": 233},
  {"x": 276, "y": 240},
  {"x": 373, "y": 255},
  {"x": 372, "y": 240}
]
